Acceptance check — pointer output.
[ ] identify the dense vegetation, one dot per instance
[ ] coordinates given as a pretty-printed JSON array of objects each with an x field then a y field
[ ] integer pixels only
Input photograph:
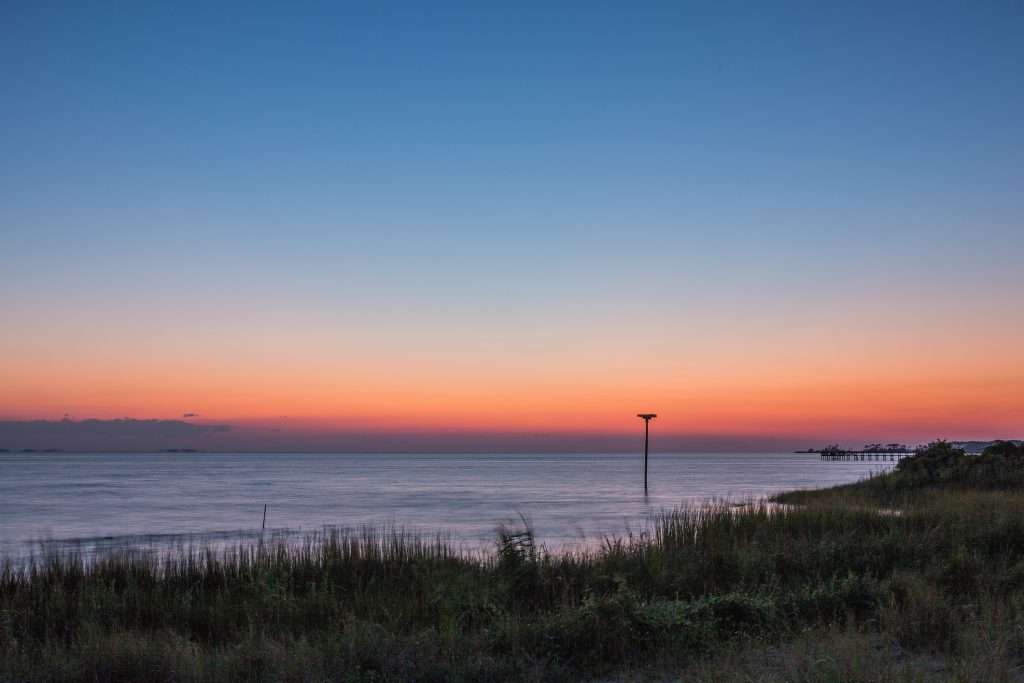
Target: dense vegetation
[
  {"x": 939, "y": 466},
  {"x": 833, "y": 589}
]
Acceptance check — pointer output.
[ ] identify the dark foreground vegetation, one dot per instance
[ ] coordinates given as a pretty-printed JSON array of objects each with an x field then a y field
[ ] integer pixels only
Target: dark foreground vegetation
[{"x": 915, "y": 575}]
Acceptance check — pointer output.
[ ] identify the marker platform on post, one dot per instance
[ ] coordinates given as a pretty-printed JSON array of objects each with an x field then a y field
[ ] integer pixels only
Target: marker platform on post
[{"x": 647, "y": 417}]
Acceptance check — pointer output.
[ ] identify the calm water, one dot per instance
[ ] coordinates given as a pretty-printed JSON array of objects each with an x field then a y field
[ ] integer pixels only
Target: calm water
[{"x": 106, "y": 499}]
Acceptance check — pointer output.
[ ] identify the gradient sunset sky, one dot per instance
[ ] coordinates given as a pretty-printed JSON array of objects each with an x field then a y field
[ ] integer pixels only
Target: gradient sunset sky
[{"x": 797, "y": 221}]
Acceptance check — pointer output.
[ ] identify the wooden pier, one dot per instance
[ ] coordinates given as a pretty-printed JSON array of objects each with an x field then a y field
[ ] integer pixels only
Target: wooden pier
[{"x": 865, "y": 456}]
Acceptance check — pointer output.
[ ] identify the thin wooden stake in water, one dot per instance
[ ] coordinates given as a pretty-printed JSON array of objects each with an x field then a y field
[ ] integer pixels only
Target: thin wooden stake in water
[
  {"x": 647, "y": 423},
  {"x": 264, "y": 515}
]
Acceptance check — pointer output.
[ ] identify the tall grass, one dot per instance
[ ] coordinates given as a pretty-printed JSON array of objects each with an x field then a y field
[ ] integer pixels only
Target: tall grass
[{"x": 936, "y": 583}]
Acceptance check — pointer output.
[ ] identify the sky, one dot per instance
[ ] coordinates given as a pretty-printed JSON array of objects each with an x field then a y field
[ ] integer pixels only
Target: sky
[{"x": 379, "y": 225}]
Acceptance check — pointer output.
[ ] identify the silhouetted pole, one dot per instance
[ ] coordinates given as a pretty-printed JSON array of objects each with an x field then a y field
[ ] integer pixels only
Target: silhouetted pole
[{"x": 647, "y": 424}]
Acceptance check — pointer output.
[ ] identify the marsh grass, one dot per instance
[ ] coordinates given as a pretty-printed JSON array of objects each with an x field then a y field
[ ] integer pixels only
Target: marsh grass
[{"x": 826, "y": 590}]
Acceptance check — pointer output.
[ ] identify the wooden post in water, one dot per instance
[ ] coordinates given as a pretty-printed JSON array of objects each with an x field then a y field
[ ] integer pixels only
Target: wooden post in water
[
  {"x": 264, "y": 515},
  {"x": 647, "y": 423}
]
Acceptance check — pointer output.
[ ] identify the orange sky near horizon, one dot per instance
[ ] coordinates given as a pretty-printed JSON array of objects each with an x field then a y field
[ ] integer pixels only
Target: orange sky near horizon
[{"x": 961, "y": 385}]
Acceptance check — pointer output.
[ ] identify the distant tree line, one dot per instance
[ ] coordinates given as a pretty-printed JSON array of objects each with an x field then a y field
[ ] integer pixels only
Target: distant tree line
[
  {"x": 836, "y": 449},
  {"x": 887, "y": 448}
]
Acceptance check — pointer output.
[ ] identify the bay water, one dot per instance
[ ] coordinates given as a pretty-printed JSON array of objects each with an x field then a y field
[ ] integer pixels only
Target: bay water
[{"x": 94, "y": 501}]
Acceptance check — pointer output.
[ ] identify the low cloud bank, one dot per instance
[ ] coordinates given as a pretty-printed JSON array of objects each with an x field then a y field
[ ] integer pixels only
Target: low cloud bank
[
  {"x": 154, "y": 435},
  {"x": 119, "y": 434},
  {"x": 297, "y": 438}
]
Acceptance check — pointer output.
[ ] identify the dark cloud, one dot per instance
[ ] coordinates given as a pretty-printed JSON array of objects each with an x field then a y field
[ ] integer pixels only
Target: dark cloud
[
  {"x": 155, "y": 435},
  {"x": 191, "y": 415},
  {"x": 268, "y": 438},
  {"x": 119, "y": 434}
]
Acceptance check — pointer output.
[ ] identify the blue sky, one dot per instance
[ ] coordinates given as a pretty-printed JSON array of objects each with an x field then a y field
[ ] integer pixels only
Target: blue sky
[{"x": 469, "y": 172}]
